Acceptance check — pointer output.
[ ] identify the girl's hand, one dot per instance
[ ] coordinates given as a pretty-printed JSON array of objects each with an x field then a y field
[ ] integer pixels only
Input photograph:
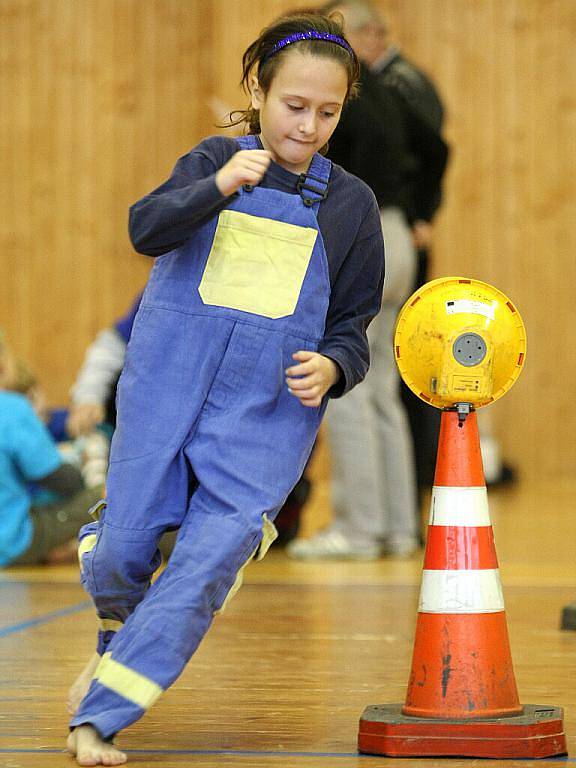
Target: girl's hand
[
  {"x": 312, "y": 377},
  {"x": 247, "y": 166}
]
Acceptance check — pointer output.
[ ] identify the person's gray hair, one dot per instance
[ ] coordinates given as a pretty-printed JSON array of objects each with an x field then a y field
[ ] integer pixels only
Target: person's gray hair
[{"x": 360, "y": 13}]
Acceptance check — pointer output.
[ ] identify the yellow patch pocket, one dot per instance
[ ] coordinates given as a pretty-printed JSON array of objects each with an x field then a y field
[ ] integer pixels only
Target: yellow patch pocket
[{"x": 257, "y": 265}]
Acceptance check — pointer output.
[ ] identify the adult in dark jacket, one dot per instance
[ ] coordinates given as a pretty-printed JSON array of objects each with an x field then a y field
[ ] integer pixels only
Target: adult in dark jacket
[{"x": 385, "y": 141}]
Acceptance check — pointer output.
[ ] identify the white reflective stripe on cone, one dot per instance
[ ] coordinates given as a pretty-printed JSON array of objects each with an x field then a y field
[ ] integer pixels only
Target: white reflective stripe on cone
[
  {"x": 459, "y": 506},
  {"x": 461, "y": 591}
]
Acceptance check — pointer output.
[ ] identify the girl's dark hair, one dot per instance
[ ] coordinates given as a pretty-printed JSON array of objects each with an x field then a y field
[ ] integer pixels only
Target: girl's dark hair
[{"x": 257, "y": 57}]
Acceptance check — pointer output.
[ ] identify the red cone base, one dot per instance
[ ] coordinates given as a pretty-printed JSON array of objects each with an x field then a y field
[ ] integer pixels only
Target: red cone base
[{"x": 537, "y": 732}]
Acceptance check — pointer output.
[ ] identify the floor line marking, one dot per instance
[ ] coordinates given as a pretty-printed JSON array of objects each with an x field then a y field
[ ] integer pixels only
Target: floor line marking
[
  {"x": 11, "y": 629},
  {"x": 265, "y": 753}
]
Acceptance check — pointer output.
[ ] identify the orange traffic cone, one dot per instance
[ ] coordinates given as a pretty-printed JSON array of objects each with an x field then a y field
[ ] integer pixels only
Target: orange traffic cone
[{"x": 462, "y": 698}]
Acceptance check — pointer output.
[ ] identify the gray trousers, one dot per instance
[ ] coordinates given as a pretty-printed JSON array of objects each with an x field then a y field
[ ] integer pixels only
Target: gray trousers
[{"x": 373, "y": 476}]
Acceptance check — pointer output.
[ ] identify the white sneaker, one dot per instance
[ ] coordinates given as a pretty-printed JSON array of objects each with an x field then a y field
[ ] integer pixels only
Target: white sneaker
[{"x": 331, "y": 545}]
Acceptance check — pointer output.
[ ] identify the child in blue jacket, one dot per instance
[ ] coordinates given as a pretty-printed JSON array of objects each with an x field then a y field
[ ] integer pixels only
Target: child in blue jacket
[{"x": 43, "y": 499}]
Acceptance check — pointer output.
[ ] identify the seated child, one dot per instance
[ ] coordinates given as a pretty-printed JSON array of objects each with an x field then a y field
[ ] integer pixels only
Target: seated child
[
  {"x": 31, "y": 532},
  {"x": 93, "y": 394}
]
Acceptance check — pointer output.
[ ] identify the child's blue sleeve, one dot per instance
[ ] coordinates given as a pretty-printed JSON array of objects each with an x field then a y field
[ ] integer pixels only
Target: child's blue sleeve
[
  {"x": 32, "y": 448},
  {"x": 57, "y": 418}
]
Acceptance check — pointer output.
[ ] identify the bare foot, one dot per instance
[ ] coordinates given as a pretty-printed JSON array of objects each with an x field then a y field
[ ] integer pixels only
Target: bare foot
[
  {"x": 79, "y": 687},
  {"x": 85, "y": 744}
]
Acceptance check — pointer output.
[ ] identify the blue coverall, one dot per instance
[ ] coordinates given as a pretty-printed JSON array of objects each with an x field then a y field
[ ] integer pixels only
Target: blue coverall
[{"x": 209, "y": 439}]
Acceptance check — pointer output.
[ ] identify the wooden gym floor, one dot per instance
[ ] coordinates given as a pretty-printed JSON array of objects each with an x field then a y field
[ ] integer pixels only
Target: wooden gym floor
[{"x": 284, "y": 675}]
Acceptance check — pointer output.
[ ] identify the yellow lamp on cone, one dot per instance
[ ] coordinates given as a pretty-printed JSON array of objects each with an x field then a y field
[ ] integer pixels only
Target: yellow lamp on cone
[{"x": 459, "y": 340}]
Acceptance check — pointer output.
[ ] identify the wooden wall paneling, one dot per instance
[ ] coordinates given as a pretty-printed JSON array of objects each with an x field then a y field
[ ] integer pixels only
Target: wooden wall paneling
[
  {"x": 15, "y": 235},
  {"x": 553, "y": 266},
  {"x": 42, "y": 181},
  {"x": 158, "y": 106},
  {"x": 132, "y": 148},
  {"x": 236, "y": 26},
  {"x": 99, "y": 98},
  {"x": 564, "y": 251},
  {"x": 536, "y": 430}
]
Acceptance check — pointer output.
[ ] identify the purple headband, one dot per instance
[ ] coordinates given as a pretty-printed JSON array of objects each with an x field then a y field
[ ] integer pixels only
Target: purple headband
[{"x": 296, "y": 37}]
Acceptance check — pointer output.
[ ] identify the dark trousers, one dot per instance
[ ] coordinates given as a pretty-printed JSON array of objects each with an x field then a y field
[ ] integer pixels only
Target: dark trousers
[
  {"x": 424, "y": 419},
  {"x": 57, "y": 524}
]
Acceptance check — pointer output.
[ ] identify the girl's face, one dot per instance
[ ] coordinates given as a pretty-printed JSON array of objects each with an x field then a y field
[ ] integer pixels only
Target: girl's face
[{"x": 301, "y": 109}]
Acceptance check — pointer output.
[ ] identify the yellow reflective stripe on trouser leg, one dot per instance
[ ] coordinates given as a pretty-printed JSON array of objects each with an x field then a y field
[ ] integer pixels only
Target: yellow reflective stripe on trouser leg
[
  {"x": 110, "y": 625},
  {"x": 126, "y": 682},
  {"x": 86, "y": 545},
  {"x": 269, "y": 534}
]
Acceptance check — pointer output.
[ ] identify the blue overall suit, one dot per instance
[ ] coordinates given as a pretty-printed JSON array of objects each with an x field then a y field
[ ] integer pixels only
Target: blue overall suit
[{"x": 209, "y": 439}]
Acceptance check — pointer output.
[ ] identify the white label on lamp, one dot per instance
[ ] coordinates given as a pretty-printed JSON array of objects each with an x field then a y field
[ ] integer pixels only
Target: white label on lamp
[{"x": 473, "y": 307}]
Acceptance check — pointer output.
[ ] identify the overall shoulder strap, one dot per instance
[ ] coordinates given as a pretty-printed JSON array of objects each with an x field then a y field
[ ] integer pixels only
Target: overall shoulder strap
[
  {"x": 247, "y": 142},
  {"x": 313, "y": 185}
]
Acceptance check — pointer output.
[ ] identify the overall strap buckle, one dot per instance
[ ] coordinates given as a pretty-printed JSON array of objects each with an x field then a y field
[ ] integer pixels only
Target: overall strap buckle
[{"x": 318, "y": 188}]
